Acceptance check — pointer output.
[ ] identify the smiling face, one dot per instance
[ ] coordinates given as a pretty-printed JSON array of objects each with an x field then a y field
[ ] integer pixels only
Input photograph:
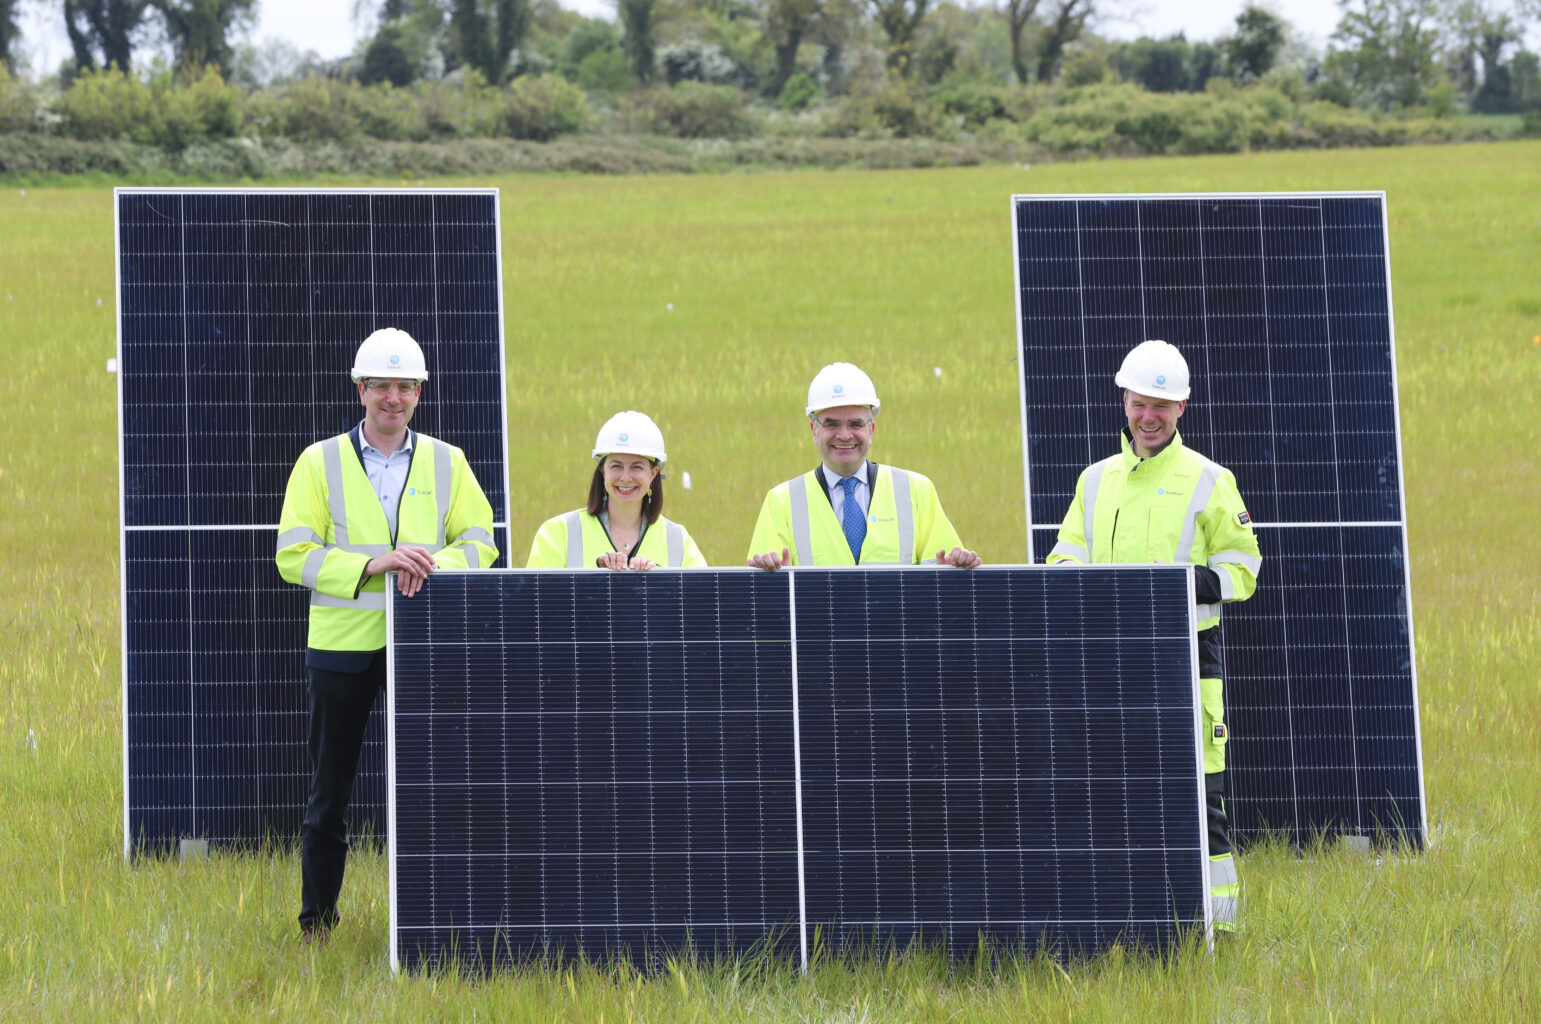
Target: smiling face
[
  {"x": 1152, "y": 422},
  {"x": 627, "y": 478},
  {"x": 843, "y": 435},
  {"x": 388, "y": 404}
]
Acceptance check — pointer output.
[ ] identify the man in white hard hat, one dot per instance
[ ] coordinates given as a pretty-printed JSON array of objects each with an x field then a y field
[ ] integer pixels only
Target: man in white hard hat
[
  {"x": 378, "y": 499},
  {"x": 1158, "y": 501},
  {"x": 850, "y": 510}
]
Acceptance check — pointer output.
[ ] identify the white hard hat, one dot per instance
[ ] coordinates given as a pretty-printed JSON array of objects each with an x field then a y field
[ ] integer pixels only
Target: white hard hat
[
  {"x": 1155, "y": 368},
  {"x": 633, "y": 433},
  {"x": 389, "y": 352},
  {"x": 841, "y": 384}
]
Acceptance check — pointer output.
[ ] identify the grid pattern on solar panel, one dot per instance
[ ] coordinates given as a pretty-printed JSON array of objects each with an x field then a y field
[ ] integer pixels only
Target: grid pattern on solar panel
[
  {"x": 1006, "y": 754},
  {"x": 592, "y": 763},
  {"x": 604, "y": 763},
  {"x": 239, "y": 314},
  {"x": 1281, "y": 306}
]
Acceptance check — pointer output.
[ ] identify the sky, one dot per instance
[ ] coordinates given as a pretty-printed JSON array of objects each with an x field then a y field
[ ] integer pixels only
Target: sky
[{"x": 326, "y": 27}]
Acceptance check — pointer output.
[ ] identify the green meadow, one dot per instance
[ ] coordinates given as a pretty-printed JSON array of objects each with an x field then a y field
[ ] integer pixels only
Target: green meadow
[{"x": 709, "y": 302}]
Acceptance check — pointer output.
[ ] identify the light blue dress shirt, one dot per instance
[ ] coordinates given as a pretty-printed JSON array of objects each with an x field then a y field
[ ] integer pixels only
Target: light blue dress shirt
[
  {"x": 837, "y": 493},
  {"x": 387, "y": 474}
]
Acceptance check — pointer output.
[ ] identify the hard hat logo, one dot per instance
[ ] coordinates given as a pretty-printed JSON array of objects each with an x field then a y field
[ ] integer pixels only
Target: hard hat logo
[
  {"x": 624, "y": 438},
  {"x": 839, "y": 389},
  {"x": 1161, "y": 380},
  {"x": 395, "y": 360}
]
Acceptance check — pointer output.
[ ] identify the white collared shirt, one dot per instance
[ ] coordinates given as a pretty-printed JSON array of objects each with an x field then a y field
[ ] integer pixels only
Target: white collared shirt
[
  {"x": 837, "y": 493},
  {"x": 387, "y": 473}
]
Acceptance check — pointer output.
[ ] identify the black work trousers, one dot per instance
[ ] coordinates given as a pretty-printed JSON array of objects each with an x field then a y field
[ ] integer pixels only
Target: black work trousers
[
  {"x": 1219, "y": 821},
  {"x": 339, "y": 711}
]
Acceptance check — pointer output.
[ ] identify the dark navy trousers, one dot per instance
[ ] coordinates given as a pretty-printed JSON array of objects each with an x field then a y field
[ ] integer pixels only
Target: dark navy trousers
[{"x": 340, "y": 703}]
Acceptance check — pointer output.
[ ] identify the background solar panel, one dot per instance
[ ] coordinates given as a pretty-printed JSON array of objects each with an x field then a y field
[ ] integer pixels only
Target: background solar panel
[
  {"x": 605, "y": 762},
  {"x": 1281, "y": 304},
  {"x": 592, "y": 762},
  {"x": 239, "y": 314}
]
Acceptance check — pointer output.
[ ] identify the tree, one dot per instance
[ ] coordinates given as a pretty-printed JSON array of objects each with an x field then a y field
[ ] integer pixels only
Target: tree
[
  {"x": 899, "y": 19},
  {"x": 1156, "y": 65},
  {"x": 10, "y": 32},
  {"x": 787, "y": 22},
  {"x": 199, "y": 30},
  {"x": 1252, "y": 51},
  {"x": 102, "y": 32},
  {"x": 637, "y": 35},
  {"x": 1018, "y": 14},
  {"x": 487, "y": 31},
  {"x": 1064, "y": 28},
  {"x": 1390, "y": 51}
]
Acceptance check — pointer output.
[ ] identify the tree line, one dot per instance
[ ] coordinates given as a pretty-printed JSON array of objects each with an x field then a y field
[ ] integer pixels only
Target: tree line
[{"x": 1390, "y": 56}]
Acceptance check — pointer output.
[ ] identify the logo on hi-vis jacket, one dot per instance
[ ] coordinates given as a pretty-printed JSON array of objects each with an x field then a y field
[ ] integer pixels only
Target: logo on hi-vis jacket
[
  {"x": 414, "y": 491},
  {"x": 1243, "y": 518}
]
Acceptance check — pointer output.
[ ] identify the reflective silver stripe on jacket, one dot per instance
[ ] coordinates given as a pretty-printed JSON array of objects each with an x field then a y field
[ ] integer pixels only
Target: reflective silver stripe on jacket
[
  {"x": 674, "y": 541},
  {"x": 366, "y": 602},
  {"x": 337, "y": 502},
  {"x": 299, "y": 535},
  {"x": 802, "y": 546},
  {"x": 904, "y": 509},
  {"x": 441, "y": 483},
  {"x": 1089, "y": 488},
  {"x": 1227, "y": 581},
  {"x": 1205, "y": 612},
  {"x": 467, "y": 542},
  {"x": 1202, "y": 492},
  {"x": 574, "y": 523},
  {"x": 310, "y": 573},
  {"x": 1070, "y": 551}
]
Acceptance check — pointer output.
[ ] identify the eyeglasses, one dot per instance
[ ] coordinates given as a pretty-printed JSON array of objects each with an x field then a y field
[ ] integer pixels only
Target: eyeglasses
[
  {"x": 385, "y": 387},
  {"x": 830, "y": 423}
]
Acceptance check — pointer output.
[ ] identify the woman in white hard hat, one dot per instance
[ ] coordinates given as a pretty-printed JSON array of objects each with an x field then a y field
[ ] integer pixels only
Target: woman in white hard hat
[{"x": 623, "y": 526}]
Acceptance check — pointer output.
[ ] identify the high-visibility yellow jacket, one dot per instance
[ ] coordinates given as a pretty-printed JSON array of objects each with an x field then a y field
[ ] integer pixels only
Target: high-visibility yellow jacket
[
  {"x": 1176, "y": 506},
  {"x": 574, "y": 540},
  {"x": 905, "y": 522},
  {"x": 332, "y": 525}
]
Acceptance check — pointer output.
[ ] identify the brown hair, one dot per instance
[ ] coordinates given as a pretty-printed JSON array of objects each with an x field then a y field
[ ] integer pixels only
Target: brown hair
[{"x": 652, "y": 501}]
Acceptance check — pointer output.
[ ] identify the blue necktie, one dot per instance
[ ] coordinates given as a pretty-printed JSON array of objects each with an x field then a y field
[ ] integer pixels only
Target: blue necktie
[{"x": 852, "y": 519}]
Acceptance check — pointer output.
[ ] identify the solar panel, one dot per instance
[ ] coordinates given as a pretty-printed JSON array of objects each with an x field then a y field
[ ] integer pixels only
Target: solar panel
[
  {"x": 238, "y": 315},
  {"x": 629, "y": 765},
  {"x": 1281, "y": 304}
]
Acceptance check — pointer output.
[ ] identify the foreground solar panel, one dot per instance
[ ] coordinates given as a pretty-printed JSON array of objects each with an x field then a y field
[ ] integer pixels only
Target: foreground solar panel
[
  {"x": 1281, "y": 304},
  {"x": 627, "y": 766},
  {"x": 238, "y": 316}
]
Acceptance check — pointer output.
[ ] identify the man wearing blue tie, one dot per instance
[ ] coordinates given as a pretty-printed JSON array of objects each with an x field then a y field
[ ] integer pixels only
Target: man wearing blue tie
[{"x": 850, "y": 511}]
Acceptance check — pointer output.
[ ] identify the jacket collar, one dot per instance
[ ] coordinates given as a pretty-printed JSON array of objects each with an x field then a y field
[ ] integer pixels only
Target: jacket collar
[
  {"x": 871, "y": 479},
  {"x": 1161, "y": 458}
]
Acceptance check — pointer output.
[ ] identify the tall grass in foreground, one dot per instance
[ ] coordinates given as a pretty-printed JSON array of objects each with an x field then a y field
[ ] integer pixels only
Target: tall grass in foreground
[{"x": 770, "y": 277}]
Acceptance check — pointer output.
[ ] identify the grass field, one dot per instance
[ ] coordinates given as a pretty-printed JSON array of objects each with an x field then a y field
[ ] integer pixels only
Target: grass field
[{"x": 769, "y": 277}]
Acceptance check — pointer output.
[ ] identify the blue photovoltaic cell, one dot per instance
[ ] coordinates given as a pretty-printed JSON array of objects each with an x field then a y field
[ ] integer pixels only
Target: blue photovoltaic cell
[
  {"x": 605, "y": 763},
  {"x": 1006, "y": 754},
  {"x": 1281, "y": 306},
  {"x": 593, "y": 763},
  {"x": 239, "y": 314}
]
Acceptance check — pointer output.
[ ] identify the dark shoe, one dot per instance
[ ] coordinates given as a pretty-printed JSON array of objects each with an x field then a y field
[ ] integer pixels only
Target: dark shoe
[{"x": 315, "y": 935}]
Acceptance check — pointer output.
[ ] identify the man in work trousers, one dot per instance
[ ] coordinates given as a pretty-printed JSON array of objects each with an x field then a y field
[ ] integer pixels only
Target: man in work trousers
[
  {"x": 375, "y": 500},
  {"x": 1158, "y": 501},
  {"x": 849, "y": 510}
]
